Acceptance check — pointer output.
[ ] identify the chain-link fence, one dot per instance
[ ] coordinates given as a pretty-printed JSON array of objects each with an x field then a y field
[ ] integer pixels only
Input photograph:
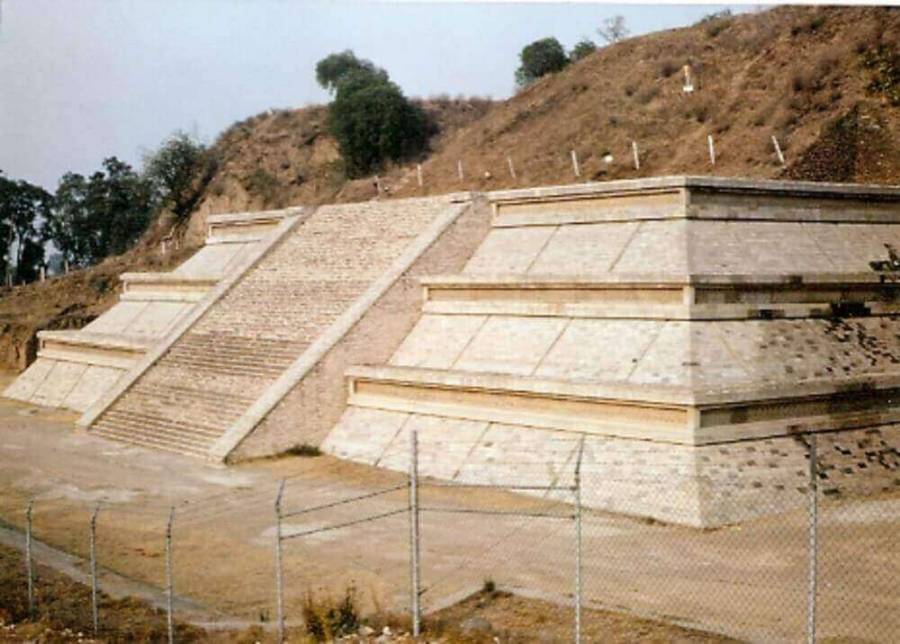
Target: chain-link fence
[{"x": 782, "y": 540}]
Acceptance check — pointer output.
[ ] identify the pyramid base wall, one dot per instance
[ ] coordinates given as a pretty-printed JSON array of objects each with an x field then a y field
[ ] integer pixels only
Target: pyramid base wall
[{"x": 699, "y": 486}]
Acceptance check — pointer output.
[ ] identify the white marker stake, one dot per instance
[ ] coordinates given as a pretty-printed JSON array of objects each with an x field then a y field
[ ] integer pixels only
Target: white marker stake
[
  {"x": 712, "y": 149},
  {"x": 637, "y": 157},
  {"x": 512, "y": 168},
  {"x": 688, "y": 82},
  {"x": 377, "y": 184},
  {"x": 43, "y": 274},
  {"x": 575, "y": 167},
  {"x": 459, "y": 169},
  {"x": 419, "y": 174},
  {"x": 778, "y": 150}
]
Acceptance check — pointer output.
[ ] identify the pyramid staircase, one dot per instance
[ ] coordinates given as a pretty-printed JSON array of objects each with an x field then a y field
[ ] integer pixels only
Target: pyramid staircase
[
  {"x": 259, "y": 368},
  {"x": 75, "y": 368},
  {"x": 681, "y": 326}
]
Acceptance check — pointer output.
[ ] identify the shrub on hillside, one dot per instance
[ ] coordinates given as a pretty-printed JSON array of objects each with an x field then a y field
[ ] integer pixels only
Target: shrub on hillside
[
  {"x": 178, "y": 171},
  {"x": 540, "y": 58},
  {"x": 374, "y": 122},
  {"x": 582, "y": 49}
]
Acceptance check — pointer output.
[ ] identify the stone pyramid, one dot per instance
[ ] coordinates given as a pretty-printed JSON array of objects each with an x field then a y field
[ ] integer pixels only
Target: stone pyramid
[{"x": 688, "y": 328}]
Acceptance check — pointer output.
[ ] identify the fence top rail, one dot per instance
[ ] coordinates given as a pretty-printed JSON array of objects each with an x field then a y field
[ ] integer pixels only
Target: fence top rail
[
  {"x": 333, "y": 504},
  {"x": 346, "y": 524}
]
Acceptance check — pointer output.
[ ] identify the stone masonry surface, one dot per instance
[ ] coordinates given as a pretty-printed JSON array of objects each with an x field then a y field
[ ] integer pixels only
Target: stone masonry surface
[{"x": 240, "y": 346}]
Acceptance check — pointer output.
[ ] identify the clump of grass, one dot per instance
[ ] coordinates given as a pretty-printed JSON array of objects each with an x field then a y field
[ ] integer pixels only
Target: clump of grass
[
  {"x": 667, "y": 68},
  {"x": 262, "y": 183},
  {"x": 327, "y": 619},
  {"x": 303, "y": 449},
  {"x": 647, "y": 95},
  {"x": 884, "y": 62},
  {"x": 810, "y": 24}
]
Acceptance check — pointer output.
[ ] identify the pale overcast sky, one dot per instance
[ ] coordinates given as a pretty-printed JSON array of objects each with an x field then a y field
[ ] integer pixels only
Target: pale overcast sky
[{"x": 81, "y": 80}]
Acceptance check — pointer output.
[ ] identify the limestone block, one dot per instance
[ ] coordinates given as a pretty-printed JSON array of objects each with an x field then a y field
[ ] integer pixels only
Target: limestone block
[
  {"x": 598, "y": 350},
  {"x": 444, "y": 445},
  {"x": 513, "y": 454},
  {"x": 509, "y": 250},
  {"x": 437, "y": 341},
  {"x": 586, "y": 249},
  {"x": 117, "y": 319},
  {"x": 91, "y": 386},
  {"x": 157, "y": 318},
  {"x": 211, "y": 260},
  {"x": 656, "y": 247},
  {"x": 364, "y": 435},
  {"x": 30, "y": 380},
  {"x": 58, "y": 384},
  {"x": 510, "y": 345}
]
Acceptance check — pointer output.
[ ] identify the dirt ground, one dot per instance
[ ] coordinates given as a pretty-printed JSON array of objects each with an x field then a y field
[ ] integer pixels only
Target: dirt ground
[
  {"x": 63, "y": 614},
  {"x": 747, "y": 581}
]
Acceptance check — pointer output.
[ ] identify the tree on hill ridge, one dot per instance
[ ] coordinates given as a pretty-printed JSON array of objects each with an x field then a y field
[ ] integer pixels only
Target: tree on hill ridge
[
  {"x": 542, "y": 57},
  {"x": 370, "y": 118}
]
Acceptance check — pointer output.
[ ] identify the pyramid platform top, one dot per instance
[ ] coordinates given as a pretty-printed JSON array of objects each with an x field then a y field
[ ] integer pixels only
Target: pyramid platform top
[{"x": 703, "y": 183}]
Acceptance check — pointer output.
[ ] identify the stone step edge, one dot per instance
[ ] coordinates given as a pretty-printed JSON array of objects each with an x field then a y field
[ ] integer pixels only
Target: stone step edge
[
  {"x": 724, "y": 184},
  {"x": 99, "y": 350},
  {"x": 141, "y": 441},
  {"x": 692, "y": 197},
  {"x": 696, "y": 297},
  {"x": 200, "y": 446},
  {"x": 190, "y": 441},
  {"x": 673, "y": 416},
  {"x": 82, "y": 338}
]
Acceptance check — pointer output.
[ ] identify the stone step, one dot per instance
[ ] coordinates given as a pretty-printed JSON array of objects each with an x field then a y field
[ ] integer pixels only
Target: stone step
[
  {"x": 172, "y": 394},
  {"x": 164, "y": 287},
  {"x": 152, "y": 442},
  {"x": 101, "y": 349},
  {"x": 244, "y": 226},
  {"x": 175, "y": 440},
  {"x": 666, "y": 297},
  {"x": 146, "y": 418}
]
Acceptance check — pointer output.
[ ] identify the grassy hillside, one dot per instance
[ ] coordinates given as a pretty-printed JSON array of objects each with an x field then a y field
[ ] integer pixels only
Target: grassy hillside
[
  {"x": 801, "y": 74},
  {"x": 824, "y": 81}
]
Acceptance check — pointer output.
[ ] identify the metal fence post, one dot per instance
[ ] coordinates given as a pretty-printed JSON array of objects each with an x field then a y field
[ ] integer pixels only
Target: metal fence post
[
  {"x": 169, "y": 622},
  {"x": 578, "y": 584},
  {"x": 29, "y": 563},
  {"x": 95, "y": 614},
  {"x": 279, "y": 570},
  {"x": 414, "y": 530},
  {"x": 813, "y": 542}
]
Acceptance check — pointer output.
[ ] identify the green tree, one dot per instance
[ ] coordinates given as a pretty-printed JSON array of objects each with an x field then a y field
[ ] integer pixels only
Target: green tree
[
  {"x": 23, "y": 208},
  {"x": 178, "y": 171},
  {"x": 540, "y": 58},
  {"x": 373, "y": 121},
  {"x": 582, "y": 48},
  {"x": 333, "y": 69},
  {"x": 102, "y": 215}
]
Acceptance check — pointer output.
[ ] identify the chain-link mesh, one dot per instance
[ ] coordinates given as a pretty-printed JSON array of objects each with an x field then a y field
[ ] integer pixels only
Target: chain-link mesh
[{"x": 750, "y": 540}]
